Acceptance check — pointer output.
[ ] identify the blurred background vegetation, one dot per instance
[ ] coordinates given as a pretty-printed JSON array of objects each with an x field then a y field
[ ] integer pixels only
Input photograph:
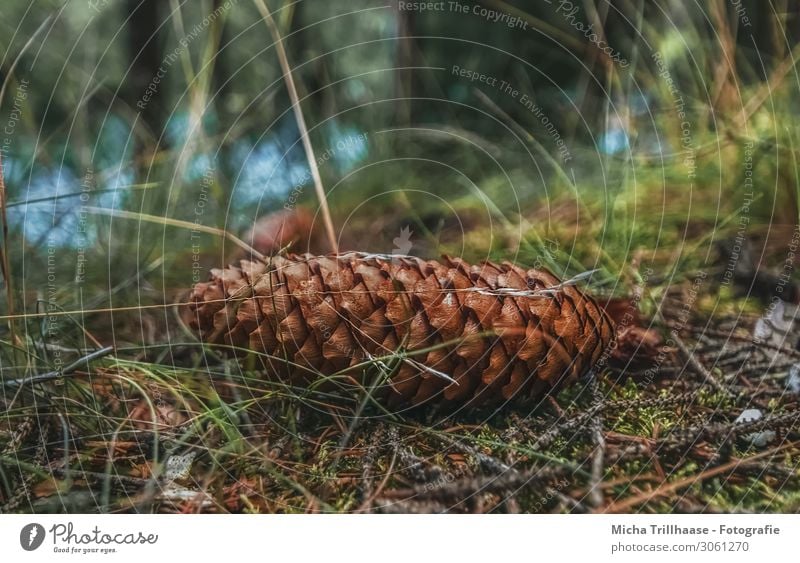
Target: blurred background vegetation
[{"x": 179, "y": 110}]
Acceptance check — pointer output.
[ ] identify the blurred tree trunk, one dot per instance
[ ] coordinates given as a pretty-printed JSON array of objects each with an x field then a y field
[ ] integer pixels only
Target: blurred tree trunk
[
  {"x": 145, "y": 55},
  {"x": 405, "y": 59},
  {"x": 220, "y": 85}
]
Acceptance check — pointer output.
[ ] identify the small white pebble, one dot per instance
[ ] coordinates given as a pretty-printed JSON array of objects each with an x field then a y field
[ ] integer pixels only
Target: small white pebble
[
  {"x": 773, "y": 326},
  {"x": 793, "y": 379},
  {"x": 749, "y": 415},
  {"x": 178, "y": 466},
  {"x": 777, "y": 317},
  {"x": 177, "y": 493},
  {"x": 763, "y": 330},
  {"x": 761, "y": 439},
  {"x": 757, "y": 439}
]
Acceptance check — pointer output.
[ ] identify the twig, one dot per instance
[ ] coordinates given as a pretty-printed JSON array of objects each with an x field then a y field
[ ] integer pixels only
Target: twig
[
  {"x": 41, "y": 378},
  {"x": 663, "y": 490},
  {"x": 367, "y": 504},
  {"x": 598, "y": 456},
  {"x": 687, "y": 436},
  {"x": 575, "y": 506},
  {"x": 27, "y": 481},
  {"x": 699, "y": 368},
  {"x": 465, "y": 488},
  {"x": 488, "y": 462},
  {"x": 746, "y": 339}
]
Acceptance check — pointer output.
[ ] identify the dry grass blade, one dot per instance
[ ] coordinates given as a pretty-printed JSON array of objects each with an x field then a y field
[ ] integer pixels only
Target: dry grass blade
[
  {"x": 4, "y": 263},
  {"x": 301, "y": 122},
  {"x": 180, "y": 224}
]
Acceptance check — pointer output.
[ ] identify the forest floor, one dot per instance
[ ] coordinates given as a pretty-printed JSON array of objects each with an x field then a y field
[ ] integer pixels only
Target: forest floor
[{"x": 121, "y": 434}]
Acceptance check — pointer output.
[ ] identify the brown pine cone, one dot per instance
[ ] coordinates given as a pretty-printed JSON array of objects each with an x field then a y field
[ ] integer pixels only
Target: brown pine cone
[
  {"x": 275, "y": 230},
  {"x": 447, "y": 332}
]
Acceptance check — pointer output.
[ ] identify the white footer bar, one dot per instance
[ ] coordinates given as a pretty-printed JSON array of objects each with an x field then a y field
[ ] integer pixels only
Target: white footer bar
[{"x": 346, "y": 538}]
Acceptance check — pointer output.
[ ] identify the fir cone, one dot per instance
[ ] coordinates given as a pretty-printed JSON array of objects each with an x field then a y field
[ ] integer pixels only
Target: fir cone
[
  {"x": 274, "y": 231},
  {"x": 447, "y": 332}
]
